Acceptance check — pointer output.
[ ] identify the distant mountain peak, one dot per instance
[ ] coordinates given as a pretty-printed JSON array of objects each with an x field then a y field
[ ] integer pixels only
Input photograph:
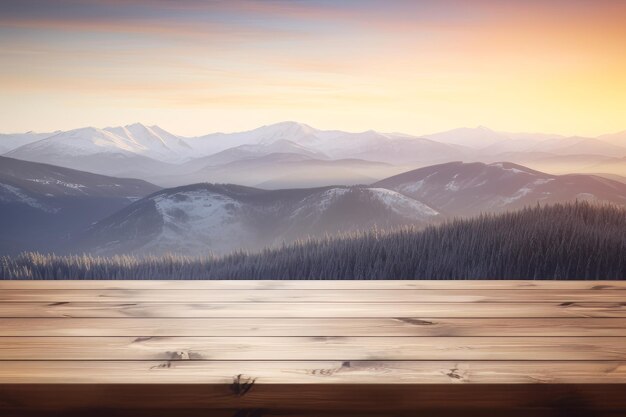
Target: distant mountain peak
[
  {"x": 290, "y": 127},
  {"x": 137, "y": 125},
  {"x": 290, "y": 123}
]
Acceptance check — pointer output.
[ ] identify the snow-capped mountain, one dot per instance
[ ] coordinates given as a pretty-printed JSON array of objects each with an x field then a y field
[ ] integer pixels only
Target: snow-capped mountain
[
  {"x": 98, "y": 151},
  {"x": 206, "y": 218},
  {"x": 41, "y": 204},
  {"x": 152, "y": 154},
  {"x": 132, "y": 140},
  {"x": 371, "y": 145},
  {"x": 298, "y": 133},
  {"x": 262, "y": 156},
  {"x": 246, "y": 152},
  {"x": 154, "y": 142},
  {"x": 10, "y": 141},
  {"x": 466, "y": 189}
]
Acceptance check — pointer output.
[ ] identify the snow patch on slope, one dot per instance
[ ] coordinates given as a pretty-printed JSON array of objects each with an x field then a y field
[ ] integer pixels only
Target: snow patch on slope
[
  {"x": 197, "y": 221},
  {"x": 11, "y": 194},
  {"x": 522, "y": 192},
  {"x": 57, "y": 182},
  {"x": 510, "y": 169},
  {"x": 315, "y": 205},
  {"x": 453, "y": 186},
  {"x": 402, "y": 204}
]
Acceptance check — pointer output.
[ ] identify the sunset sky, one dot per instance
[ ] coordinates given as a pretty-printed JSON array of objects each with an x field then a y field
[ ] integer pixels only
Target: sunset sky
[{"x": 195, "y": 67}]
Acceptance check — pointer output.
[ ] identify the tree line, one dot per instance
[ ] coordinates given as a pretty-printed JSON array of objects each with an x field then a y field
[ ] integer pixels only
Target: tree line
[{"x": 563, "y": 241}]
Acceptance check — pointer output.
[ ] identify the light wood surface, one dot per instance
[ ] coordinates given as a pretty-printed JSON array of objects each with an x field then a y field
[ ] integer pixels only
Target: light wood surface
[
  {"x": 381, "y": 296},
  {"x": 312, "y": 372},
  {"x": 308, "y": 285},
  {"x": 313, "y": 348},
  {"x": 300, "y": 347},
  {"x": 104, "y": 309},
  {"x": 306, "y": 326}
]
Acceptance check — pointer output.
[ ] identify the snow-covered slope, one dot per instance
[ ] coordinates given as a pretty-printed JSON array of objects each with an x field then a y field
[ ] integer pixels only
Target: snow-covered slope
[
  {"x": 150, "y": 153},
  {"x": 10, "y": 141},
  {"x": 96, "y": 150},
  {"x": 153, "y": 142},
  {"x": 371, "y": 145},
  {"x": 470, "y": 188},
  {"x": 403, "y": 205},
  {"x": 128, "y": 141},
  {"x": 83, "y": 141},
  {"x": 294, "y": 132},
  {"x": 206, "y": 218}
]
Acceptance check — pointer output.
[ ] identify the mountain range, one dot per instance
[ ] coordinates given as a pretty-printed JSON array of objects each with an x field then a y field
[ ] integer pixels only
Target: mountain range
[
  {"x": 140, "y": 189},
  {"x": 199, "y": 218},
  {"x": 50, "y": 208},
  {"x": 295, "y": 155}
]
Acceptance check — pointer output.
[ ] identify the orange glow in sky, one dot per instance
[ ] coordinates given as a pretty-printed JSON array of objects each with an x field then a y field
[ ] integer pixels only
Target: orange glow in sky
[{"x": 196, "y": 66}]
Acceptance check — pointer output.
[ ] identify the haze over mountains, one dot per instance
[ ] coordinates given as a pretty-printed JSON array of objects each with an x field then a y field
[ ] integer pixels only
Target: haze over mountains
[
  {"x": 54, "y": 209},
  {"x": 286, "y": 154},
  {"x": 139, "y": 189},
  {"x": 466, "y": 189},
  {"x": 225, "y": 218}
]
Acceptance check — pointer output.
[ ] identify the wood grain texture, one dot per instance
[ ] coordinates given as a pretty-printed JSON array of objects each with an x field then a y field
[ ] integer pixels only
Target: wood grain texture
[
  {"x": 314, "y": 296},
  {"x": 104, "y": 309},
  {"x": 312, "y": 372},
  {"x": 280, "y": 326},
  {"x": 313, "y": 348},
  {"x": 309, "y": 284}
]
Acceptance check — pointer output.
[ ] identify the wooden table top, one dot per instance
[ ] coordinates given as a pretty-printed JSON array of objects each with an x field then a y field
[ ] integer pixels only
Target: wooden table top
[{"x": 265, "y": 348}]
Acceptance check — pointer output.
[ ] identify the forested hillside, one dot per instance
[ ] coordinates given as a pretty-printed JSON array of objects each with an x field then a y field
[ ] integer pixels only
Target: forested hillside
[{"x": 572, "y": 241}]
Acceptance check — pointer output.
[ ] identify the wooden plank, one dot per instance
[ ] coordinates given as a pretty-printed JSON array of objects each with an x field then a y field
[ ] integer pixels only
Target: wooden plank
[
  {"x": 314, "y": 296},
  {"x": 311, "y": 372},
  {"x": 554, "y": 350},
  {"x": 101, "y": 411},
  {"x": 295, "y": 310},
  {"x": 412, "y": 326},
  {"x": 570, "y": 400},
  {"x": 313, "y": 348},
  {"x": 308, "y": 284}
]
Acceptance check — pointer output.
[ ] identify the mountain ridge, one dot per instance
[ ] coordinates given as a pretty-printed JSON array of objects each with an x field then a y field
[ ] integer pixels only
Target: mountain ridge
[{"x": 153, "y": 154}]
